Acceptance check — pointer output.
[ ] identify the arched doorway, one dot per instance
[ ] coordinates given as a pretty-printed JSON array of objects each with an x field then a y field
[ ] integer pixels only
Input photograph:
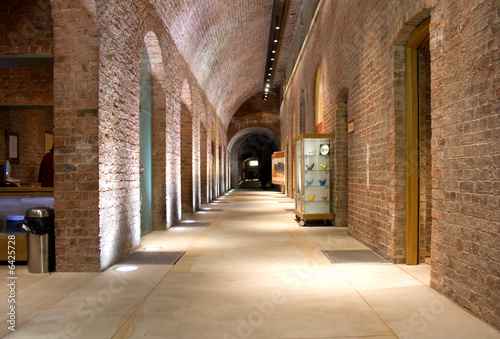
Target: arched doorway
[
  {"x": 418, "y": 153},
  {"x": 145, "y": 141},
  {"x": 254, "y": 161},
  {"x": 237, "y": 154}
]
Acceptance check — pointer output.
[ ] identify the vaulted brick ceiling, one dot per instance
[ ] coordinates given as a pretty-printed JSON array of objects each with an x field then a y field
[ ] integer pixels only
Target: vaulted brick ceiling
[{"x": 225, "y": 43}]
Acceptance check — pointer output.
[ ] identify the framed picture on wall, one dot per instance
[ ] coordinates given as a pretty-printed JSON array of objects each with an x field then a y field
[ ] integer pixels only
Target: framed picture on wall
[{"x": 12, "y": 146}]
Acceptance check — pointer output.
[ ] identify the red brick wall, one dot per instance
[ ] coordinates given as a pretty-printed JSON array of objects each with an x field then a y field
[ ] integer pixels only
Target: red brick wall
[
  {"x": 96, "y": 103},
  {"x": 361, "y": 52},
  {"x": 465, "y": 149},
  {"x": 26, "y": 27},
  {"x": 118, "y": 141},
  {"x": 186, "y": 160},
  {"x": 159, "y": 131},
  {"x": 256, "y": 112},
  {"x": 76, "y": 110},
  {"x": 26, "y": 85}
]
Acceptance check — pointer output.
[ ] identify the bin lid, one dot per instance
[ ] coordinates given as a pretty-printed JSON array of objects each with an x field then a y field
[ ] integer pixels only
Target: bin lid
[{"x": 39, "y": 212}]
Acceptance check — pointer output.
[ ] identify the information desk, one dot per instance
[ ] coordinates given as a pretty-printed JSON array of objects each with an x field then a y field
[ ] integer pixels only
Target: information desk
[{"x": 13, "y": 204}]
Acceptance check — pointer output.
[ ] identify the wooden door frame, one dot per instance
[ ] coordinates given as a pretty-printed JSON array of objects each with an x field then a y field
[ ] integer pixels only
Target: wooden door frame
[{"x": 412, "y": 143}]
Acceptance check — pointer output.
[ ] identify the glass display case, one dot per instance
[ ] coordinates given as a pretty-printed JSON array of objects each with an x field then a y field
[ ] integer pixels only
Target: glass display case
[{"x": 313, "y": 176}]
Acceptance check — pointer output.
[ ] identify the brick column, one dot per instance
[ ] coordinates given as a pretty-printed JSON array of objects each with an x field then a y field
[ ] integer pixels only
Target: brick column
[
  {"x": 186, "y": 160},
  {"x": 76, "y": 191}
]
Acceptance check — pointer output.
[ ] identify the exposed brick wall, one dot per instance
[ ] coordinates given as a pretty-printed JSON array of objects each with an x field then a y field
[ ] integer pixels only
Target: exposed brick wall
[
  {"x": 119, "y": 128},
  {"x": 340, "y": 163},
  {"x": 26, "y": 27},
  {"x": 159, "y": 131},
  {"x": 425, "y": 158},
  {"x": 204, "y": 156},
  {"x": 76, "y": 129},
  {"x": 26, "y": 85},
  {"x": 186, "y": 160},
  {"x": 253, "y": 116},
  {"x": 361, "y": 52},
  {"x": 465, "y": 59},
  {"x": 31, "y": 125},
  {"x": 256, "y": 112}
]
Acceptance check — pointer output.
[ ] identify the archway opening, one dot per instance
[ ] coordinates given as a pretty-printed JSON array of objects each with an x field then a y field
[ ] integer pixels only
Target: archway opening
[
  {"x": 418, "y": 147},
  {"x": 255, "y": 162},
  {"x": 145, "y": 141}
]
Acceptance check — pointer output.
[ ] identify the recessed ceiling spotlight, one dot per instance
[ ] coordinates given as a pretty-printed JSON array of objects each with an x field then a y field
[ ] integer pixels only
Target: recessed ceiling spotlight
[
  {"x": 270, "y": 68},
  {"x": 277, "y": 27},
  {"x": 268, "y": 85},
  {"x": 267, "y": 89},
  {"x": 126, "y": 268},
  {"x": 273, "y": 51},
  {"x": 275, "y": 40},
  {"x": 272, "y": 59}
]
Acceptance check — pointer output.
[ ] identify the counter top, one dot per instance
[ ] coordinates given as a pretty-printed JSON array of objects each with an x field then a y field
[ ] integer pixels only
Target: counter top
[{"x": 26, "y": 191}]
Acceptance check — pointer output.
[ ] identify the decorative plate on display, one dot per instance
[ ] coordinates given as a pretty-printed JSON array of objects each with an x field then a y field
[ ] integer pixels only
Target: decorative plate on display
[{"x": 324, "y": 149}]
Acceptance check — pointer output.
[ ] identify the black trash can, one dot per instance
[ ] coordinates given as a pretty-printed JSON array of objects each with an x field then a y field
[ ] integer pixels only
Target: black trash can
[{"x": 39, "y": 222}]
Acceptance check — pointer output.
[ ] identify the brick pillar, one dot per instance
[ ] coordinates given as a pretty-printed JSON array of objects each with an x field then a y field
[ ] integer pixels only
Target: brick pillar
[
  {"x": 340, "y": 164},
  {"x": 186, "y": 160},
  {"x": 204, "y": 157},
  {"x": 76, "y": 191},
  {"x": 159, "y": 131}
]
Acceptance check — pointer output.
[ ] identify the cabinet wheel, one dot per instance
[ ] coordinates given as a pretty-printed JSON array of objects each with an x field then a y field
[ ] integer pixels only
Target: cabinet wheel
[{"x": 302, "y": 222}]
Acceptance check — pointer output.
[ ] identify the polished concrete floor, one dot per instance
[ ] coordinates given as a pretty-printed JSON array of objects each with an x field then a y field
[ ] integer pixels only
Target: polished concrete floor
[{"x": 248, "y": 271}]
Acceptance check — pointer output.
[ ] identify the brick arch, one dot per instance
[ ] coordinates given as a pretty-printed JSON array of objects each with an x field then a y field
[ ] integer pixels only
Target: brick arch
[
  {"x": 398, "y": 252},
  {"x": 233, "y": 147},
  {"x": 159, "y": 129}
]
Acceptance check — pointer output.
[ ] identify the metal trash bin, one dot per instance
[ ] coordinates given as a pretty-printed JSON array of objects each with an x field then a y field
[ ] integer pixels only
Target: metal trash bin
[{"x": 39, "y": 222}]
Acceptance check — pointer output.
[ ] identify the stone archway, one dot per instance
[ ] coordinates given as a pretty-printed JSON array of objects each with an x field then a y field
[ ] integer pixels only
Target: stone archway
[{"x": 233, "y": 148}]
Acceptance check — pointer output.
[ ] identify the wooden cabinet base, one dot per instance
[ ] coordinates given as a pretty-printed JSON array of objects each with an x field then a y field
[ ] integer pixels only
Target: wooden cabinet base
[{"x": 19, "y": 246}]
